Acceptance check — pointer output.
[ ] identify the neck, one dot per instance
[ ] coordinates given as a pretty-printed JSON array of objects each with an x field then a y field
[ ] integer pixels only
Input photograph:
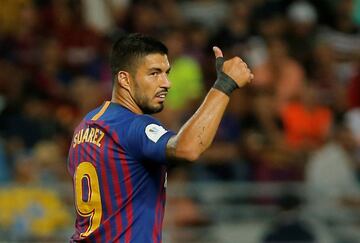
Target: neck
[{"x": 124, "y": 98}]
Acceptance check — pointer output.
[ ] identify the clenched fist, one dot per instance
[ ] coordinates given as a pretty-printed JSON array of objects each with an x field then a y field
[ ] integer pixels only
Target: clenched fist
[{"x": 235, "y": 68}]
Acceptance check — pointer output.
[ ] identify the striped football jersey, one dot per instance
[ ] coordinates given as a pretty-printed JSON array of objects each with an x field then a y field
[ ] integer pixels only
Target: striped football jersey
[{"x": 117, "y": 160}]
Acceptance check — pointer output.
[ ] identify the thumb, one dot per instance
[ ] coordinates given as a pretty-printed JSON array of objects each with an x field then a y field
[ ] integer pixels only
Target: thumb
[{"x": 217, "y": 52}]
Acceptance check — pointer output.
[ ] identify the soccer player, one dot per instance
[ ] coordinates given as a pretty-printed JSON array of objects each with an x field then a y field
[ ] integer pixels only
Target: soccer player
[{"x": 119, "y": 153}]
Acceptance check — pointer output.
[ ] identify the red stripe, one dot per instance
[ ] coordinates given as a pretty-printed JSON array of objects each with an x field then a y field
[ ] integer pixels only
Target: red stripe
[
  {"x": 162, "y": 205},
  {"x": 129, "y": 190},
  {"x": 107, "y": 197},
  {"x": 156, "y": 228},
  {"x": 116, "y": 182}
]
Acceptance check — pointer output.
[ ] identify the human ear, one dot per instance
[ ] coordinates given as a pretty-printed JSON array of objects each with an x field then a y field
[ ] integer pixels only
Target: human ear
[{"x": 123, "y": 79}]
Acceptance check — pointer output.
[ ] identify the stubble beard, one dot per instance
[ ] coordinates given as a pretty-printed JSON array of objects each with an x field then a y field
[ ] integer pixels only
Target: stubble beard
[{"x": 145, "y": 105}]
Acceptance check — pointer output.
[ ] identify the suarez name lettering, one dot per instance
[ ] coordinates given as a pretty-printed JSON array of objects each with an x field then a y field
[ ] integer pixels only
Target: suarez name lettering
[{"x": 89, "y": 135}]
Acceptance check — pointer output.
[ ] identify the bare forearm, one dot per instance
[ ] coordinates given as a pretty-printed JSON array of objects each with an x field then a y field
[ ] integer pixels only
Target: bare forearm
[
  {"x": 197, "y": 134},
  {"x": 199, "y": 131}
]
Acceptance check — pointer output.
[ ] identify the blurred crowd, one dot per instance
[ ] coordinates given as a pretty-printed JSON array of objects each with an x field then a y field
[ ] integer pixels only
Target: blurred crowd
[{"x": 299, "y": 119}]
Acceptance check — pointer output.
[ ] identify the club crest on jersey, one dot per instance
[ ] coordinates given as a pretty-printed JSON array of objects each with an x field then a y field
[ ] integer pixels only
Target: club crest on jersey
[{"x": 154, "y": 132}]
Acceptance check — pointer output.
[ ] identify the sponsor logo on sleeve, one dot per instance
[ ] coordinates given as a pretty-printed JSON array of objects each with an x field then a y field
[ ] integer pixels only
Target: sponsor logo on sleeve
[{"x": 154, "y": 132}]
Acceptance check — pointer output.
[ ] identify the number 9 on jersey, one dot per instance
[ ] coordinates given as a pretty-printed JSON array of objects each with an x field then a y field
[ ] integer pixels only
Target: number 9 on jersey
[{"x": 87, "y": 195}]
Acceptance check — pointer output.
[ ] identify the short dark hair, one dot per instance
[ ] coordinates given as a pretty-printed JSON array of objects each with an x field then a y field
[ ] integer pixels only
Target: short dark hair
[{"x": 127, "y": 50}]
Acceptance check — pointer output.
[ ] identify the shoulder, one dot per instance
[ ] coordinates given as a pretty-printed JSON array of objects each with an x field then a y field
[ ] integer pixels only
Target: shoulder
[
  {"x": 148, "y": 126},
  {"x": 149, "y": 130},
  {"x": 92, "y": 113},
  {"x": 146, "y": 138},
  {"x": 144, "y": 120}
]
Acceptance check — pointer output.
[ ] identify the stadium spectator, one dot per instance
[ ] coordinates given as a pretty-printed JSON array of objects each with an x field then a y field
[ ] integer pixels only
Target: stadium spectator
[
  {"x": 331, "y": 181},
  {"x": 306, "y": 121}
]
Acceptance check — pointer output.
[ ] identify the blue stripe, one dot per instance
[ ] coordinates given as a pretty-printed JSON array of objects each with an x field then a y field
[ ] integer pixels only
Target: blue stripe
[
  {"x": 123, "y": 195},
  {"x": 104, "y": 209},
  {"x": 110, "y": 181},
  {"x": 91, "y": 238}
]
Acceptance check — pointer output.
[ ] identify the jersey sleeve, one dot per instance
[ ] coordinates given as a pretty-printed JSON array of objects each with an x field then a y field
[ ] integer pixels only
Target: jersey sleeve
[{"x": 146, "y": 139}]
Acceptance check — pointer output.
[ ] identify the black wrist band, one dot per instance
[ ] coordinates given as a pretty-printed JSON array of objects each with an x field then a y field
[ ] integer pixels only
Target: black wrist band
[{"x": 225, "y": 84}]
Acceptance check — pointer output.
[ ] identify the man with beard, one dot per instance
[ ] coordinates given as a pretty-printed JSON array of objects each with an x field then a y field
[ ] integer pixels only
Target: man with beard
[{"x": 119, "y": 152}]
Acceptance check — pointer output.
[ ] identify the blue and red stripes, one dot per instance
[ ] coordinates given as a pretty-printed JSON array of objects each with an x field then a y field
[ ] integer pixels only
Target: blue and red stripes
[
  {"x": 119, "y": 194},
  {"x": 128, "y": 187},
  {"x": 132, "y": 191}
]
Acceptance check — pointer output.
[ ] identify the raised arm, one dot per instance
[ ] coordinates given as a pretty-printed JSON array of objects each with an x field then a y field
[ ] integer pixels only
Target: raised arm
[{"x": 197, "y": 134}]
